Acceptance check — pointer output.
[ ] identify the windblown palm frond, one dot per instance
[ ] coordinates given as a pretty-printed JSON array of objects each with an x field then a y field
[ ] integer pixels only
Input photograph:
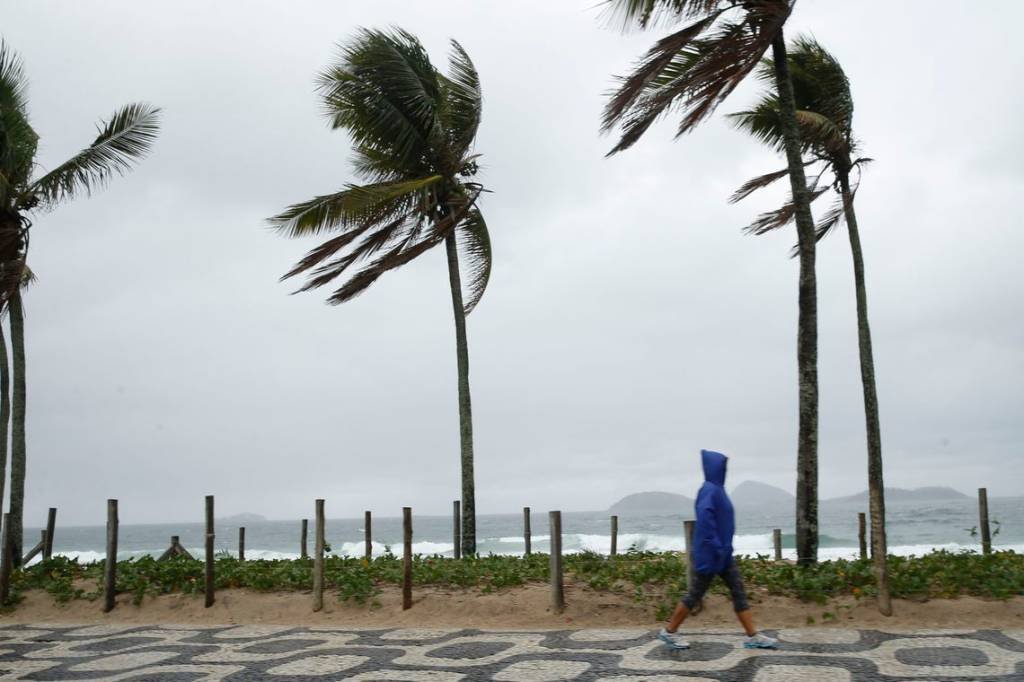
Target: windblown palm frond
[
  {"x": 462, "y": 102},
  {"x": 475, "y": 245},
  {"x": 17, "y": 139},
  {"x": 692, "y": 70},
  {"x": 122, "y": 141}
]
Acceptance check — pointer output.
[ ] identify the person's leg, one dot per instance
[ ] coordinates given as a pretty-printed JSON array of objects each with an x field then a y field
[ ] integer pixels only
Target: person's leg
[
  {"x": 669, "y": 634},
  {"x": 755, "y": 640}
]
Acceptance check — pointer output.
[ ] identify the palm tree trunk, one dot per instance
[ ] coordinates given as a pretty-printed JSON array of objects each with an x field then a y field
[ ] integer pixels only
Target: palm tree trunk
[
  {"x": 17, "y": 426},
  {"x": 807, "y": 324},
  {"x": 876, "y": 483},
  {"x": 465, "y": 408},
  {"x": 5, "y": 411}
]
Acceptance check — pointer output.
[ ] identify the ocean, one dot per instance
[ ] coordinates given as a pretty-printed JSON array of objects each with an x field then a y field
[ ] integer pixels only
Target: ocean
[{"x": 914, "y": 528}]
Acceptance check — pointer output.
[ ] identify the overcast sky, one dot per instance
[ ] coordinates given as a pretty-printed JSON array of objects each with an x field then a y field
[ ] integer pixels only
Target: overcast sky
[{"x": 629, "y": 322}]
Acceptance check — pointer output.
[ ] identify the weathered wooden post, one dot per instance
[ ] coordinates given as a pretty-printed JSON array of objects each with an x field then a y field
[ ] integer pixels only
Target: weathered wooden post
[
  {"x": 777, "y": 542},
  {"x": 456, "y": 531},
  {"x": 615, "y": 535},
  {"x": 406, "y": 558},
  {"x": 986, "y": 531},
  {"x": 35, "y": 550},
  {"x": 691, "y": 569},
  {"x": 209, "y": 551},
  {"x": 526, "y": 530},
  {"x": 557, "y": 581},
  {"x": 110, "y": 568},
  {"x": 241, "y": 543},
  {"x": 51, "y": 524},
  {"x": 303, "y": 554},
  {"x": 5, "y": 560},
  {"x": 368, "y": 536},
  {"x": 862, "y": 534},
  {"x": 318, "y": 558}
]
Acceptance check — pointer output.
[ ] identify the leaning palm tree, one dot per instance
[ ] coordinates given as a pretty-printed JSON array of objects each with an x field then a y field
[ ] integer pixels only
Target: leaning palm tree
[
  {"x": 691, "y": 71},
  {"x": 825, "y": 115},
  {"x": 413, "y": 130},
  {"x": 122, "y": 140}
]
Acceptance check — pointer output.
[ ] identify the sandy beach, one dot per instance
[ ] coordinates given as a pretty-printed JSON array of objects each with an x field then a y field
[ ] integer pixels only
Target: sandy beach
[{"x": 513, "y": 608}]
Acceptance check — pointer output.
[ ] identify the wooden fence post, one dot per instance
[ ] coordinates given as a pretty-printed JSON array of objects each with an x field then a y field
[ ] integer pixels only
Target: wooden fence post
[
  {"x": 862, "y": 534},
  {"x": 777, "y": 542},
  {"x": 691, "y": 569},
  {"x": 209, "y": 551},
  {"x": 35, "y": 550},
  {"x": 110, "y": 569},
  {"x": 368, "y": 536},
  {"x": 406, "y": 558},
  {"x": 615, "y": 535},
  {"x": 51, "y": 524},
  {"x": 318, "y": 558},
  {"x": 5, "y": 560},
  {"x": 456, "y": 531},
  {"x": 557, "y": 581},
  {"x": 986, "y": 531},
  {"x": 241, "y": 543},
  {"x": 303, "y": 553},
  {"x": 526, "y": 530}
]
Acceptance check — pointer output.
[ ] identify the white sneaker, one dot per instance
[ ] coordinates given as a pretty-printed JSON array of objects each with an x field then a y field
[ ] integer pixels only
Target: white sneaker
[
  {"x": 760, "y": 641},
  {"x": 673, "y": 639}
]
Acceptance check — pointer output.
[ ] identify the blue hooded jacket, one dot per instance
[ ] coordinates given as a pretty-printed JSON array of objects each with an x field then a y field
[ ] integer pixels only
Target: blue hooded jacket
[{"x": 716, "y": 521}]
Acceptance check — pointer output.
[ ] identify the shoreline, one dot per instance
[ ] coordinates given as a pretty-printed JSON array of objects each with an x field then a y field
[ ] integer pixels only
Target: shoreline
[{"x": 516, "y": 608}]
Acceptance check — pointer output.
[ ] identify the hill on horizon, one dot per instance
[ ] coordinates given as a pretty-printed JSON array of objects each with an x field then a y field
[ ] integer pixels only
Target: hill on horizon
[
  {"x": 927, "y": 493},
  {"x": 754, "y": 493},
  {"x": 653, "y": 502}
]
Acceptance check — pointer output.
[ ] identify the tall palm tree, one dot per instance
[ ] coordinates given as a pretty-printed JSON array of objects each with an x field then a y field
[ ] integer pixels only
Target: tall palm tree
[
  {"x": 825, "y": 115},
  {"x": 691, "y": 71},
  {"x": 122, "y": 140},
  {"x": 413, "y": 130}
]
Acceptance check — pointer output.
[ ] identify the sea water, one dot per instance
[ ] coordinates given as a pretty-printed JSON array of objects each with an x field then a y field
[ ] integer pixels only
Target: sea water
[{"x": 914, "y": 528}]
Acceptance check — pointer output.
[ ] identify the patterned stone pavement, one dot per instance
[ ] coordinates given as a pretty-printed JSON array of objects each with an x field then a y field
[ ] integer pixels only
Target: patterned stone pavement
[{"x": 238, "y": 653}]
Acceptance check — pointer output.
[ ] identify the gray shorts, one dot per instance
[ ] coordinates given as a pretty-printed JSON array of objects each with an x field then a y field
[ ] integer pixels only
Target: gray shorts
[{"x": 702, "y": 582}]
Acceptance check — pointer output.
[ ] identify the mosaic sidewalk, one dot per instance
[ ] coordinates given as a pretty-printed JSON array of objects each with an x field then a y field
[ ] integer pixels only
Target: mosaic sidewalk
[{"x": 61, "y": 652}]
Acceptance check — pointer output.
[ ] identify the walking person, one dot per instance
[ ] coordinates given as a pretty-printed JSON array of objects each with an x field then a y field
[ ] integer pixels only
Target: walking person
[{"x": 712, "y": 555}]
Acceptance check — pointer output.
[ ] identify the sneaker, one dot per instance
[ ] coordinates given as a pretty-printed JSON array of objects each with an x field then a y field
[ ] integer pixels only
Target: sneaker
[
  {"x": 673, "y": 639},
  {"x": 760, "y": 641}
]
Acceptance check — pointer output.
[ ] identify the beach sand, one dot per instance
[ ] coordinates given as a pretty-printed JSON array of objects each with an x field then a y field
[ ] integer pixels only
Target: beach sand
[{"x": 513, "y": 608}]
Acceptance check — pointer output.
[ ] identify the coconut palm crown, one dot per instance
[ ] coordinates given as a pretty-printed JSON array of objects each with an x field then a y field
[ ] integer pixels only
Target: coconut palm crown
[{"x": 413, "y": 130}]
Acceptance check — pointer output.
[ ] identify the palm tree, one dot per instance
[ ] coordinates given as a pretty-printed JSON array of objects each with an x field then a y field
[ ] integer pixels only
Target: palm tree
[
  {"x": 413, "y": 130},
  {"x": 825, "y": 115},
  {"x": 122, "y": 140},
  {"x": 691, "y": 71}
]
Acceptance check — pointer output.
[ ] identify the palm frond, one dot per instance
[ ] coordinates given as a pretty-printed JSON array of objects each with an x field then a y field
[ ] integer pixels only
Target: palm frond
[
  {"x": 18, "y": 141},
  {"x": 754, "y": 184},
  {"x": 645, "y": 13},
  {"x": 780, "y": 217},
  {"x": 384, "y": 92},
  {"x": 670, "y": 54},
  {"x": 475, "y": 244},
  {"x": 122, "y": 141},
  {"x": 819, "y": 131},
  {"x": 354, "y": 206},
  {"x": 763, "y": 122},
  {"x": 716, "y": 65},
  {"x": 463, "y": 100},
  {"x": 13, "y": 81}
]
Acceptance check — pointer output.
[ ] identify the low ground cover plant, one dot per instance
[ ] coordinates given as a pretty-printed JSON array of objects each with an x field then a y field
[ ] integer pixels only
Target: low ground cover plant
[{"x": 651, "y": 578}]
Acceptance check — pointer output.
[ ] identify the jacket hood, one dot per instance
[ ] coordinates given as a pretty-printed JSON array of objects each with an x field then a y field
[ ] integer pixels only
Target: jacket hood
[{"x": 714, "y": 466}]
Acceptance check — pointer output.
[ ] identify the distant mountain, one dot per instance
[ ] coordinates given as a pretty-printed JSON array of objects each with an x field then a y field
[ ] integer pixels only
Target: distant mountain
[
  {"x": 244, "y": 517},
  {"x": 932, "y": 493},
  {"x": 754, "y": 494},
  {"x": 653, "y": 503}
]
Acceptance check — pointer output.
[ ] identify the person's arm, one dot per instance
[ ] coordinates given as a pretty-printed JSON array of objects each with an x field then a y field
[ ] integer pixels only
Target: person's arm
[{"x": 707, "y": 517}]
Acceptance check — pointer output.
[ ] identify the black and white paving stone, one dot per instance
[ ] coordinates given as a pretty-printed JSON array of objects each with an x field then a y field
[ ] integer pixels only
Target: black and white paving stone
[{"x": 242, "y": 653}]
